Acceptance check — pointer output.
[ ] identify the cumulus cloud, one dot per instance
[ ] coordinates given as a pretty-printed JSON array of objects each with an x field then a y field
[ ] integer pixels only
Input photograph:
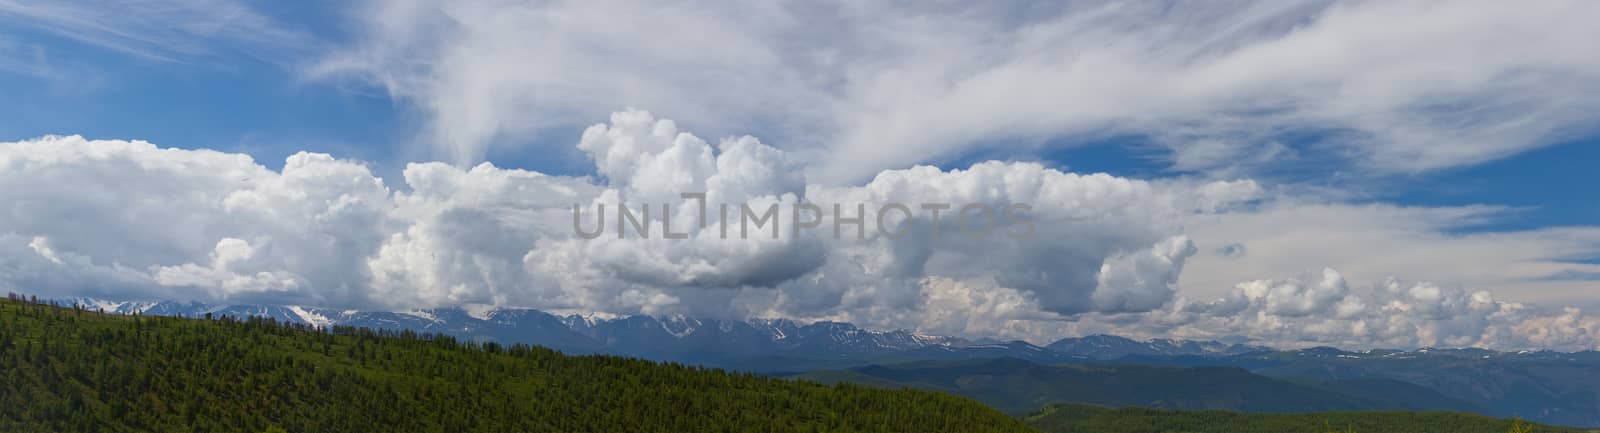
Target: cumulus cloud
[
  {"x": 1227, "y": 87},
  {"x": 223, "y": 274},
  {"x": 134, "y": 219},
  {"x": 140, "y": 218},
  {"x": 846, "y": 90},
  {"x": 1093, "y": 243},
  {"x": 1373, "y": 241},
  {"x": 1322, "y": 308},
  {"x": 1095, "y": 253}
]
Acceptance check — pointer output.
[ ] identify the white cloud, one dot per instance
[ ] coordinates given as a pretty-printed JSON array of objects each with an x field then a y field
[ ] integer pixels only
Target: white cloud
[
  {"x": 218, "y": 226},
  {"x": 41, "y": 245},
  {"x": 1320, "y": 309},
  {"x": 856, "y": 88},
  {"x": 1369, "y": 242},
  {"x": 222, "y": 274},
  {"x": 138, "y": 218},
  {"x": 129, "y": 219},
  {"x": 849, "y": 90}
]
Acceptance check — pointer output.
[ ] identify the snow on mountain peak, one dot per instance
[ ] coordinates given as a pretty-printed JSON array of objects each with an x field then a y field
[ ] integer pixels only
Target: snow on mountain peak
[
  {"x": 480, "y": 311},
  {"x": 422, "y": 314},
  {"x": 314, "y": 319}
]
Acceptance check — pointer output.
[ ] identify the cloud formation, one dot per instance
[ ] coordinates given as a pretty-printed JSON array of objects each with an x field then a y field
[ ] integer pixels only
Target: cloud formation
[
  {"x": 163, "y": 30},
  {"x": 105, "y": 217},
  {"x": 1223, "y": 87},
  {"x": 1374, "y": 241},
  {"x": 1322, "y": 309},
  {"x": 1100, "y": 253},
  {"x": 845, "y": 90}
]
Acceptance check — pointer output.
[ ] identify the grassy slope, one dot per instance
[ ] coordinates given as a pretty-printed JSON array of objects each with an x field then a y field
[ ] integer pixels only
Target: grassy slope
[
  {"x": 1091, "y": 419},
  {"x": 68, "y": 370}
]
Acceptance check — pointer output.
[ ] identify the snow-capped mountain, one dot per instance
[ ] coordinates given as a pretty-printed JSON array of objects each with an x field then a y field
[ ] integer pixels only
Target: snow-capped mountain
[
  {"x": 775, "y": 344},
  {"x": 667, "y": 338}
]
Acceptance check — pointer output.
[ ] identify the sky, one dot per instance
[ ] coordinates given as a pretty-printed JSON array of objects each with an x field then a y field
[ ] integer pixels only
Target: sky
[{"x": 1362, "y": 174}]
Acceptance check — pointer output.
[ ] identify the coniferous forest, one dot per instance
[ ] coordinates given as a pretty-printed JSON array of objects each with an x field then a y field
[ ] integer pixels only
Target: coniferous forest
[
  {"x": 68, "y": 369},
  {"x": 72, "y": 370}
]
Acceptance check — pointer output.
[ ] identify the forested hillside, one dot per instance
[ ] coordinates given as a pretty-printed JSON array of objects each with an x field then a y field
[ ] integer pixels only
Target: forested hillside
[
  {"x": 68, "y": 369},
  {"x": 1091, "y": 419},
  {"x": 1551, "y": 387},
  {"x": 1019, "y": 387}
]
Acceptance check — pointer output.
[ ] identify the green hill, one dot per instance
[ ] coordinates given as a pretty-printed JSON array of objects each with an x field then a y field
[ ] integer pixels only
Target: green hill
[
  {"x": 64, "y": 369},
  {"x": 1090, "y": 419},
  {"x": 1018, "y": 387}
]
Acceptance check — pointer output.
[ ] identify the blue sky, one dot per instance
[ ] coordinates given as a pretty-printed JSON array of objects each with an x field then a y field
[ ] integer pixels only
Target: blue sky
[
  {"x": 228, "y": 101},
  {"x": 1302, "y": 137},
  {"x": 243, "y": 104},
  {"x": 1553, "y": 185}
]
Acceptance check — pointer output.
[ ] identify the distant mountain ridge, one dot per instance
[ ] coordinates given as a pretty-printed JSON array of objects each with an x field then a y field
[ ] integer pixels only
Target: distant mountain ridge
[
  {"x": 674, "y": 338},
  {"x": 1110, "y": 347},
  {"x": 1076, "y": 418},
  {"x": 1018, "y": 387},
  {"x": 669, "y": 336},
  {"x": 1545, "y": 386},
  {"x": 71, "y": 370},
  {"x": 754, "y": 344}
]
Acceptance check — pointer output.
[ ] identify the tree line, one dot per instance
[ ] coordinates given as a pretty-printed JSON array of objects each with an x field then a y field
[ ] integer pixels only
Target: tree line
[{"x": 70, "y": 369}]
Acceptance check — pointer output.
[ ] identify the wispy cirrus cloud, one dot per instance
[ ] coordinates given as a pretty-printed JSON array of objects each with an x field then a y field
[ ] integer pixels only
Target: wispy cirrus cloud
[
  {"x": 24, "y": 59},
  {"x": 183, "y": 31},
  {"x": 1226, "y": 87},
  {"x": 855, "y": 95}
]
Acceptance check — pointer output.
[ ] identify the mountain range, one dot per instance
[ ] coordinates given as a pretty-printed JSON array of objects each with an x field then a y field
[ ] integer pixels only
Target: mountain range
[
  {"x": 1077, "y": 418},
  {"x": 1552, "y": 387},
  {"x": 1546, "y": 386},
  {"x": 71, "y": 370},
  {"x": 1111, "y": 347},
  {"x": 1543, "y": 386},
  {"x": 759, "y": 345},
  {"x": 1019, "y": 387}
]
